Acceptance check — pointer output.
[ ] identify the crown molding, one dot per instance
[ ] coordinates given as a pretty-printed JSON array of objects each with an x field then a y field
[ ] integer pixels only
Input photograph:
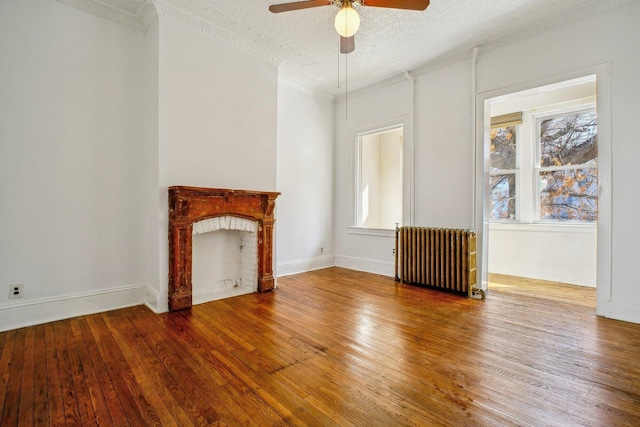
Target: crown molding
[
  {"x": 140, "y": 19},
  {"x": 544, "y": 25},
  {"x": 442, "y": 61},
  {"x": 439, "y": 62},
  {"x": 200, "y": 25},
  {"x": 299, "y": 86},
  {"x": 396, "y": 78}
]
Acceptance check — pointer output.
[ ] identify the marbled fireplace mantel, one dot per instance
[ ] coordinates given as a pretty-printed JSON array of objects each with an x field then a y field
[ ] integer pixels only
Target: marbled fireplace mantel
[{"x": 188, "y": 205}]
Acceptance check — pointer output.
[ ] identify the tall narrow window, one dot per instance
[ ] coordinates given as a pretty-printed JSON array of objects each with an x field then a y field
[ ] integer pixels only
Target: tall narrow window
[
  {"x": 503, "y": 172},
  {"x": 503, "y": 175},
  {"x": 567, "y": 169},
  {"x": 379, "y": 178}
]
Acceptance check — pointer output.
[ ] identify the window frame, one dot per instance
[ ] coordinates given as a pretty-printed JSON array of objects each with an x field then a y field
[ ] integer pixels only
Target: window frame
[
  {"x": 538, "y": 118},
  {"x": 528, "y": 164},
  {"x": 355, "y": 225},
  {"x": 518, "y": 177}
]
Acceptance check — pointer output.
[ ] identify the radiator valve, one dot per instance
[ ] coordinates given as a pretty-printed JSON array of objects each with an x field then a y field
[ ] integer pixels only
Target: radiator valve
[{"x": 477, "y": 291}]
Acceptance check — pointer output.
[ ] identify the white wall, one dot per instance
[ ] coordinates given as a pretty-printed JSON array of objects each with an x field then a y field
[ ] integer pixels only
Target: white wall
[
  {"x": 305, "y": 179},
  {"x": 217, "y": 121},
  {"x": 391, "y": 170},
  {"x": 560, "y": 254},
  {"x": 150, "y": 163},
  {"x": 443, "y": 152},
  {"x": 366, "y": 110},
  {"x": 380, "y": 189},
  {"x": 371, "y": 180},
  {"x": 215, "y": 261},
  {"x": 72, "y": 136}
]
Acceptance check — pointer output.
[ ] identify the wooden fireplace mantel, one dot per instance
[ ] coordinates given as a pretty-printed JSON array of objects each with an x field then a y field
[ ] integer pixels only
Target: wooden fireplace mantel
[{"x": 188, "y": 205}]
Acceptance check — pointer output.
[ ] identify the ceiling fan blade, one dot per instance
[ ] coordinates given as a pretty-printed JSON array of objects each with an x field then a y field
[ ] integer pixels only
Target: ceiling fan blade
[
  {"x": 286, "y": 7},
  {"x": 347, "y": 44},
  {"x": 399, "y": 4}
]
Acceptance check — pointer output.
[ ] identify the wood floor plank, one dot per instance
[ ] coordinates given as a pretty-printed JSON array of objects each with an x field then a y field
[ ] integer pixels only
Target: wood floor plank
[
  {"x": 214, "y": 350},
  {"x": 134, "y": 406},
  {"x": 40, "y": 408},
  {"x": 70, "y": 404},
  {"x": 261, "y": 413},
  {"x": 11, "y": 404},
  {"x": 118, "y": 330},
  {"x": 7, "y": 340},
  {"x": 55, "y": 400},
  {"x": 94, "y": 391},
  {"x": 178, "y": 364},
  {"x": 333, "y": 347},
  {"x": 183, "y": 409},
  {"x": 79, "y": 370},
  {"x": 115, "y": 413},
  {"x": 27, "y": 391}
]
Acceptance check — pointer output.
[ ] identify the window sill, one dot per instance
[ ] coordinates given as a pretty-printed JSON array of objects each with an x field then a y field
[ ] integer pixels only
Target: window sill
[
  {"x": 544, "y": 227},
  {"x": 371, "y": 231}
]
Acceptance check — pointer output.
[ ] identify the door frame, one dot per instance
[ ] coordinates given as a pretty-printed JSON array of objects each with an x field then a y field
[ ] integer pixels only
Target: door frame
[{"x": 482, "y": 164}]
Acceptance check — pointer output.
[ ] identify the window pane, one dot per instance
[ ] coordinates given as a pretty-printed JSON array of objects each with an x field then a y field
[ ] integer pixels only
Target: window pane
[
  {"x": 569, "y": 195},
  {"x": 503, "y": 196},
  {"x": 380, "y": 191},
  {"x": 503, "y": 148},
  {"x": 570, "y": 139}
]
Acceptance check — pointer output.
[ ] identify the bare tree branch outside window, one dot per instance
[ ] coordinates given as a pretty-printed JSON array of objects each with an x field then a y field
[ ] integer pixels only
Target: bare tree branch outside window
[
  {"x": 503, "y": 186},
  {"x": 568, "y": 167}
]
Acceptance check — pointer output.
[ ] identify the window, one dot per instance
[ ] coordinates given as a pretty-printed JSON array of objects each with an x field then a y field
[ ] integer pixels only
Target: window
[
  {"x": 379, "y": 178},
  {"x": 503, "y": 172},
  {"x": 544, "y": 165},
  {"x": 567, "y": 167}
]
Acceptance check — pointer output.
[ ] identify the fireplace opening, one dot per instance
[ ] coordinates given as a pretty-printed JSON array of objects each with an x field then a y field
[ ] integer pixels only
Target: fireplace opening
[{"x": 225, "y": 258}]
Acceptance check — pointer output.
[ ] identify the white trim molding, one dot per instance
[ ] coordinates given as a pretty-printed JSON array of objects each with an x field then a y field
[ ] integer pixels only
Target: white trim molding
[
  {"x": 367, "y": 265},
  {"x": 200, "y": 25},
  {"x": 139, "y": 19},
  {"x": 627, "y": 311},
  {"x": 151, "y": 298},
  {"x": 556, "y": 21},
  {"x": 44, "y": 310},
  {"x": 297, "y": 85},
  {"x": 303, "y": 265}
]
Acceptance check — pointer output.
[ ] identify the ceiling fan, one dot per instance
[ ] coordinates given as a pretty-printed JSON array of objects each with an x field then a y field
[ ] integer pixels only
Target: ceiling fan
[{"x": 347, "y": 20}]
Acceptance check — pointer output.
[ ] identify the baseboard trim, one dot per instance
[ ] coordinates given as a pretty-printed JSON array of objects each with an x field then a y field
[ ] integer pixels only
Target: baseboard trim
[
  {"x": 288, "y": 268},
  {"x": 627, "y": 311},
  {"x": 151, "y": 298},
  {"x": 44, "y": 310},
  {"x": 220, "y": 294},
  {"x": 367, "y": 265}
]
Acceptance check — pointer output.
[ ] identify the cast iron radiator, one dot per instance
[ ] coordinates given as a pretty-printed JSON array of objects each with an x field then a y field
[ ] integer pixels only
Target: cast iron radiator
[{"x": 441, "y": 258}]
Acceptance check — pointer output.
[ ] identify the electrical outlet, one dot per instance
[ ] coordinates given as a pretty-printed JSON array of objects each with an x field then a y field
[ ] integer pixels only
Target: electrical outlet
[
  {"x": 393, "y": 251},
  {"x": 321, "y": 250},
  {"x": 15, "y": 291}
]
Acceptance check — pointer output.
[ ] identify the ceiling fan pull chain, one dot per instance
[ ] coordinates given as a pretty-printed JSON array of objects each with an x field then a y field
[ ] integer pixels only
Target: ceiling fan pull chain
[{"x": 346, "y": 86}]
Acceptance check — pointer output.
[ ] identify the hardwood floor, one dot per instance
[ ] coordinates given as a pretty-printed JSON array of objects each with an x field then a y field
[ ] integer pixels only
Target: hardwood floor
[{"x": 331, "y": 347}]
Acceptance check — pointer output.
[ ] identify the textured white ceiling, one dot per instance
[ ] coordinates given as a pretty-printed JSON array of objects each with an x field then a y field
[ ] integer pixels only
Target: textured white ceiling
[{"x": 388, "y": 43}]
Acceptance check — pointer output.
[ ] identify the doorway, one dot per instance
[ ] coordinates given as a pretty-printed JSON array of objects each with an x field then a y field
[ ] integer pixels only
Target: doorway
[{"x": 530, "y": 197}]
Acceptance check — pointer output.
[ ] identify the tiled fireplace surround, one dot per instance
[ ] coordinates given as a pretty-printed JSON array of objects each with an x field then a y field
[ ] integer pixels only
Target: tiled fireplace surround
[{"x": 191, "y": 205}]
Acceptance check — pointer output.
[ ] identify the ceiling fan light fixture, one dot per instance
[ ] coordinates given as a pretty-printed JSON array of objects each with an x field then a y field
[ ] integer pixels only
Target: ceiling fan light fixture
[{"x": 347, "y": 20}]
